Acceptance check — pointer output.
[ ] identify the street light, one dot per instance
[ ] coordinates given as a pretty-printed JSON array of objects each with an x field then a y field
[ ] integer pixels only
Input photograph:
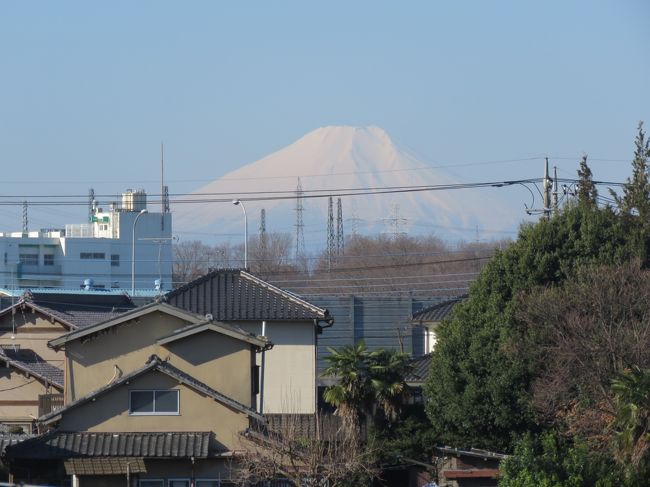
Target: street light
[
  {"x": 142, "y": 212},
  {"x": 241, "y": 203}
]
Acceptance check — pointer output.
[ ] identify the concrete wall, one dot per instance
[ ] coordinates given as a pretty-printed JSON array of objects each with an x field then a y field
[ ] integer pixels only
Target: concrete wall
[{"x": 380, "y": 321}]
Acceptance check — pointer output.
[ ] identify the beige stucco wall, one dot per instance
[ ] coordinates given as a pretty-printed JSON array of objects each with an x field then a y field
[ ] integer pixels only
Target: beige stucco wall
[
  {"x": 32, "y": 330},
  {"x": 110, "y": 413},
  {"x": 221, "y": 362},
  {"x": 19, "y": 396},
  {"x": 290, "y": 366}
]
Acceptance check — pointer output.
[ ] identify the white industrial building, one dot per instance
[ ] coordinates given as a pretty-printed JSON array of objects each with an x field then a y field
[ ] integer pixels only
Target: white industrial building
[{"x": 96, "y": 254}]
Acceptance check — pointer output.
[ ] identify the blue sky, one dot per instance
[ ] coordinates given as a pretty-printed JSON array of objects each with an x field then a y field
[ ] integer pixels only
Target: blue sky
[{"x": 88, "y": 90}]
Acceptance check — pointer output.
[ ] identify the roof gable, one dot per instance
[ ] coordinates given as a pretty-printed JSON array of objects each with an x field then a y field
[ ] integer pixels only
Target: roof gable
[
  {"x": 236, "y": 295},
  {"x": 154, "y": 363},
  {"x": 224, "y": 329},
  {"x": 123, "y": 318}
]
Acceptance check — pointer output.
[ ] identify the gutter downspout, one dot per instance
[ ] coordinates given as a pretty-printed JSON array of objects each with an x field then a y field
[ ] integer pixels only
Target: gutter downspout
[
  {"x": 261, "y": 402},
  {"x": 318, "y": 329}
]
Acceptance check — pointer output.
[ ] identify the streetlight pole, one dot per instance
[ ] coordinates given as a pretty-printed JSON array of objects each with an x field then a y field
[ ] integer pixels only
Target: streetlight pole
[
  {"x": 142, "y": 212},
  {"x": 241, "y": 203}
]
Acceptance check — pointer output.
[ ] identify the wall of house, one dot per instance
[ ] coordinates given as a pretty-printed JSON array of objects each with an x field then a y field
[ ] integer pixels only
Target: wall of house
[
  {"x": 219, "y": 361},
  {"x": 128, "y": 346},
  {"x": 290, "y": 366},
  {"x": 110, "y": 413},
  {"x": 32, "y": 330},
  {"x": 19, "y": 396}
]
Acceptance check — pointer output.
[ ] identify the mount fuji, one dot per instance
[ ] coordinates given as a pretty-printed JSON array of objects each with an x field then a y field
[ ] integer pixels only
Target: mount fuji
[{"x": 331, "y": 159}]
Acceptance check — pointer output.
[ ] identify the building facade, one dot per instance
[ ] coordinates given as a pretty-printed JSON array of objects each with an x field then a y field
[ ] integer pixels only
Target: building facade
[{"x": 98, "y": 253}]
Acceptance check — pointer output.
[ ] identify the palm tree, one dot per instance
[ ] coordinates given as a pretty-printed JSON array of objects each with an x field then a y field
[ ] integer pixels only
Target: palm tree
[
  {"x": 388, "y": 371},
  {"x": 351, "y": 395},
  {"x": 367, "y": 382},
  {"x": 632, "y": 422}
]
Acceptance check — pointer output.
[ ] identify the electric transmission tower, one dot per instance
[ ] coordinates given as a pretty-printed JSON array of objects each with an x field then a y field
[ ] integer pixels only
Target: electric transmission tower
[
  {"x": 331, "y": 245},
  {"x": 300, "y": 236},
  {"x": 395, "y": 222},
  {"x": 340, "y": 243},
  {"x": 262, "y": 228}
]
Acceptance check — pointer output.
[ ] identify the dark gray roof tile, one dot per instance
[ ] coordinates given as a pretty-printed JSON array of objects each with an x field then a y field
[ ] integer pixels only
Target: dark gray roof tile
[
  {"x": 30, "y": 362},
  {"x": 234, "y": 295},
  {"x": 437, "y": 312},
  {"x": 420, "y": 371},
  {"x": 62, "y": 444}
]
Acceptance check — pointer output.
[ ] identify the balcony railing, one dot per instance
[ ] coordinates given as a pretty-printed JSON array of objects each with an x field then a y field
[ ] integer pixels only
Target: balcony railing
[{"x": 48, "y": 403}]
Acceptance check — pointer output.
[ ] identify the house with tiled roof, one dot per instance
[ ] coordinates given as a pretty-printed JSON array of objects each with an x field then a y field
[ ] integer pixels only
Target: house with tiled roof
[
  {"x": 25, "y": 380},
  {"x": 32, "y": 381},
  {"x": 158, "y": 395},
  {"x": 288, "y": 377},
  {"x": 426, "y": 321}
]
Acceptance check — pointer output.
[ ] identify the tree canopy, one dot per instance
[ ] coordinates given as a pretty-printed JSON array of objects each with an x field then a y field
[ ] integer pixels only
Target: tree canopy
[{"x": 479, "y": 388}]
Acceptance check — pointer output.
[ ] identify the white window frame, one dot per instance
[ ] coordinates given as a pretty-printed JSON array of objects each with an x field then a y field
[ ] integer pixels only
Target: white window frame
[{"x": 154, "y": 413}]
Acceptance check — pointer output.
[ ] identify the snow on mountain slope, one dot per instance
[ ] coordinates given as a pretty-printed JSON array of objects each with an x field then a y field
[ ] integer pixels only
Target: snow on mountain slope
[{"x": 342, "y": 157}]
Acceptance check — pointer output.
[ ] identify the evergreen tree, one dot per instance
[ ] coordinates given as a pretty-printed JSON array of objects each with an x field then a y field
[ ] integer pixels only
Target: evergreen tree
[
  {"x": 587, "y": 192},
  {"x": 635, "y": 199}
]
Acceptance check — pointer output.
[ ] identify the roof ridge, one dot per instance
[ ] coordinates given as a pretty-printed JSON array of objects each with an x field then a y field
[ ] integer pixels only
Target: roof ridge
[{"x": 283, "y": 293}]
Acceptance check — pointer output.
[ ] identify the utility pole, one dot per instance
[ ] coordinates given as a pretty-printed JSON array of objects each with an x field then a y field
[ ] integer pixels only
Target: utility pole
[
  {"x": 547, "y": 190},
  {"x": 555, "y": 193}
]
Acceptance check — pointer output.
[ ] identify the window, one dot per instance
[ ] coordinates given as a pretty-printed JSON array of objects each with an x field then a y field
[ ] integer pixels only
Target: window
[
  {"x": 28, "y": 259},
  {"x": 92, "y": 255},
  {"x": 154, "y": 402},
  {"x": 152, "y": 483},
  {"x": 48, "y": 259},
  {"x": 207, "y": 483},
  {"x": 115, "y": 260}
]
